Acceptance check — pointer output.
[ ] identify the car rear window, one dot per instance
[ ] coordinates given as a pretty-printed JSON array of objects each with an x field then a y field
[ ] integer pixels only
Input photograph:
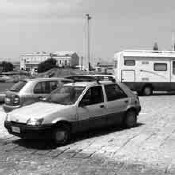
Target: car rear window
[{"x": 18, "y": 86}]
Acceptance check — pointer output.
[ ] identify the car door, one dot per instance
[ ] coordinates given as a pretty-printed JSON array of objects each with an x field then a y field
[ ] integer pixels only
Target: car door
[
  {"x": 39, "y": 91},
  {"x": 117, "y": 102},
  {"x": 92, "y": 108}
]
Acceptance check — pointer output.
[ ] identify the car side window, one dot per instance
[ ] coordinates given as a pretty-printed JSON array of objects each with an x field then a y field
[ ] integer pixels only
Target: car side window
[
  {"x": 94, "y": 95},
  {"x": 53, "y": 85},
  {"x": 38, "y": 89},
  {"x": 114, "y": 92},
  {"x": 42, "y": 88}
]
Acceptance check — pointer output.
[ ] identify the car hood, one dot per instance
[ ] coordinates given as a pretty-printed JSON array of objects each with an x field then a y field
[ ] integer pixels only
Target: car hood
[{"x": 35, "y": 110}]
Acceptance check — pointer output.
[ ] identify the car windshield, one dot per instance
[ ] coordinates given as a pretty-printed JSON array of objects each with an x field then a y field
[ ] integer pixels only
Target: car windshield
[
  {"x": 18, "y": 86},
  {"x": 66, "y": 95}
]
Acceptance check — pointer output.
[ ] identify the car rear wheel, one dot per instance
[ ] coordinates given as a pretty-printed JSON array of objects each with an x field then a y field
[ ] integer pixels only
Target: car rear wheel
[
  {"x": 61, "y": 135},
  {"x": 130, "y": 119}
]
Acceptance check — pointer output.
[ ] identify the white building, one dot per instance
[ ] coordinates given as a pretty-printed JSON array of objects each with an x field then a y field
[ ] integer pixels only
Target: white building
[
  {"x": 30, "y": 61},
  {"x": 66, "y": 58}
]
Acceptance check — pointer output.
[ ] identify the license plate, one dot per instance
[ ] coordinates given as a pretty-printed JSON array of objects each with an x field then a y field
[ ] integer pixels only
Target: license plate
[{"x": 15, "y": 129}]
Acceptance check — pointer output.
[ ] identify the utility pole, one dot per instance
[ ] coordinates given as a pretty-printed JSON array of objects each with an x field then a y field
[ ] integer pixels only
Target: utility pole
[
  {"x": 173, "y": 43},
  {"x": 88, "y": 40}
]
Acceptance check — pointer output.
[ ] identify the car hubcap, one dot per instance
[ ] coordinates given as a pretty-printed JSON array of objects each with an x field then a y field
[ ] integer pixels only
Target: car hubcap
[{"x": 60, "y": 136}]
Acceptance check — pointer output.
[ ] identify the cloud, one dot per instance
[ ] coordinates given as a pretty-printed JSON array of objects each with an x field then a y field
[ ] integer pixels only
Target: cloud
[{"x": 39, "y": 8}]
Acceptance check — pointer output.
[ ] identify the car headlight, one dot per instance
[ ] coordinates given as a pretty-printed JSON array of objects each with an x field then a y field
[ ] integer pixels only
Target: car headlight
[{"x": 34, "y": 121}]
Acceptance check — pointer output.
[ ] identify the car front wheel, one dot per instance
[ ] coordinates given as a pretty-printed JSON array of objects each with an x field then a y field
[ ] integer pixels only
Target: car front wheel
[
  {"x": 61, "y": 135},
  {"x": 130, "y": 119}
]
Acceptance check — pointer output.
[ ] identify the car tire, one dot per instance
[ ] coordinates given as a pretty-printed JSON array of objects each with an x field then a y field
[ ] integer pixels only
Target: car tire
[
  {"x": 61, "y": 135},
  {"x": 147, "y": 90},
  {"x": 130, "y": 119}
]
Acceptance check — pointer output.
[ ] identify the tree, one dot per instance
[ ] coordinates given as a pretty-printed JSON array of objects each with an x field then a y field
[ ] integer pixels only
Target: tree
[
  {"x": 7, "y": 66},
  {"x": 47, "y": 65},
  {"x": 155, "y": 47}
]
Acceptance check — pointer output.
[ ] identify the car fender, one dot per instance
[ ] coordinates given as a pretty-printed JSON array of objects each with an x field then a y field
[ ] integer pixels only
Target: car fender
[{"x": 69, "y": 115}]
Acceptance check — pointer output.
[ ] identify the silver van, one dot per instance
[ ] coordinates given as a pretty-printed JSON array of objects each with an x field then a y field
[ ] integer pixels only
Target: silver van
[{"x": 28, "y": 91}]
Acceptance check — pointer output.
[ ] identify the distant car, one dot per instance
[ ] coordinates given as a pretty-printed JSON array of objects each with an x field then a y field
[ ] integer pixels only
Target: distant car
[
  {"x": 75, "y": 107},
  {"x": 4, "y": 78},
  {"x": 89, "y": 78},
  {"x": 3, "y": 88},
  {"x": 29, "y": 91}
]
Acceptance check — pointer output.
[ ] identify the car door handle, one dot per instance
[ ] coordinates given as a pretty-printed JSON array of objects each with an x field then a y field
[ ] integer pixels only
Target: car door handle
[
  {"x": 126, "y": 101},
  {"x": 102, "y": 106}
]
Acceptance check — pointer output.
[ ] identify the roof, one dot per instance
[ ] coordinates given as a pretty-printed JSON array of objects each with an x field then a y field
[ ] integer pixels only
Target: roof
[
  {"x": 146, "y": 53},
  {"x": 63, "y": 53}
]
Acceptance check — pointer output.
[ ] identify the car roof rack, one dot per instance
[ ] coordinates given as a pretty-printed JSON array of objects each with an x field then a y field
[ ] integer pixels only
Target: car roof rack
[{"x": 98, "y": 79}]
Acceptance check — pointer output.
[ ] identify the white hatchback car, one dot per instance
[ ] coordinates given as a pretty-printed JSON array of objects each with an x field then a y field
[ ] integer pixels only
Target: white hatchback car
[{"x": 73, "y": 108}]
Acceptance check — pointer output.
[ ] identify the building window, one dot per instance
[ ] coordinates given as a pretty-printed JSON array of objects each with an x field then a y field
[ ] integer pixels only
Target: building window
[
  {"x": 145, "y": 62},
  {"x": 160, "y": 66},
  {"x": 129, "y": 62},
  {"x": 115, "y": 63}
]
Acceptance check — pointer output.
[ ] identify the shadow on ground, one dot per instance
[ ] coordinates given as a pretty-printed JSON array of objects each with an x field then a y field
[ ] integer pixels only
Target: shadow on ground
[
  {"x": 160, "y": 94},
  {"x": 48, "y": 144}
]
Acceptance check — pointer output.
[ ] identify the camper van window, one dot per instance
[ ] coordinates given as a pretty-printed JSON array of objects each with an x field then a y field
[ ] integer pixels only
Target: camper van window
[
  {"x": 160, "y": 66},
  {"x": 173, "y": 67},
  {"x": 129, "y": 62}
]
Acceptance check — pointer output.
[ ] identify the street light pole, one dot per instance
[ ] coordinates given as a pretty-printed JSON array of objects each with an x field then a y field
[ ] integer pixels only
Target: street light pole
[{"x": 88, "y": 41}]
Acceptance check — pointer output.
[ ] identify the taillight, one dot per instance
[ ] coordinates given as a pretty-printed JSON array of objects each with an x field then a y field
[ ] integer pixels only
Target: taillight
[{"x": 16, "y": 100}]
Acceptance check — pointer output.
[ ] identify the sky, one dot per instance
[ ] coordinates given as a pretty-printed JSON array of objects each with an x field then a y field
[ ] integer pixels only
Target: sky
[{"x": 28, "y": 26}]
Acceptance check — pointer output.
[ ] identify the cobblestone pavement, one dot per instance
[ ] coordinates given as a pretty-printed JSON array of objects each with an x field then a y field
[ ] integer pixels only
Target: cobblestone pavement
[{"x": 146, "y": 149}]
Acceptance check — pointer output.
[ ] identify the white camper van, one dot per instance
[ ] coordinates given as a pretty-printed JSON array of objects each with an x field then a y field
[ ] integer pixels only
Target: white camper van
[{"x": 146, "y": 71}]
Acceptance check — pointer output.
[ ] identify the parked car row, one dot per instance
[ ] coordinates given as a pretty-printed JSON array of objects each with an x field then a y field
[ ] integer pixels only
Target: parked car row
[{"x": 72, "y": 107}]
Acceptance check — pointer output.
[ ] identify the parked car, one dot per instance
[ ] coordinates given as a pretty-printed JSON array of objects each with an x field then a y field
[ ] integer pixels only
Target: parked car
[
  {"x": 29, "y": 91},
  {"x": 4, "y": 78},
  {"x": 3, "y": 88},
  {"x": 74, "y": 108}
]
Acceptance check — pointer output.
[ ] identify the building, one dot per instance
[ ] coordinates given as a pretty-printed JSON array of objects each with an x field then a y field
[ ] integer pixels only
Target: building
[
  {"x": 66, "y": 58},
  {"x": 30, "y": 61},
  {"x": 16, "y": 65}
]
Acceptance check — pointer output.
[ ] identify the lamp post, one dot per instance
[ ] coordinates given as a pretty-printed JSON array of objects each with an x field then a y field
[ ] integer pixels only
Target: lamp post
[{"x": 88, "y": 41}]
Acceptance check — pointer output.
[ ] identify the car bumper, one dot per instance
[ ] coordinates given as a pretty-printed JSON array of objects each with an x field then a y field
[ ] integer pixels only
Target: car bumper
[{"x": 28, "y": 131}]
